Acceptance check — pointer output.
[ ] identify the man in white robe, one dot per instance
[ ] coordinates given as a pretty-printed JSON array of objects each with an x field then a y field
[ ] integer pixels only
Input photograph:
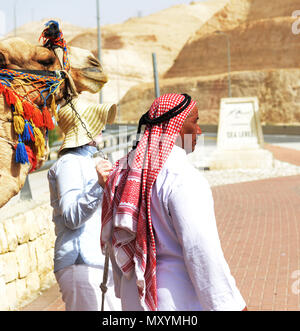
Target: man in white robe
[{"x": 183, "y": 268}]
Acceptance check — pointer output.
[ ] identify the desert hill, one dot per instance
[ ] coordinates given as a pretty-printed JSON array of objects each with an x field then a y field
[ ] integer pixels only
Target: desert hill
[
  {"x": 236, "y": 12},
  {"x": 192, "y": 56},
  {"x": 278, "y": 92},
  {"x": 32, "y": 31},
  {"x": 127, "y": 48},
  {"x": 260, "y": 34},
  {"x": 255, "y": 45},
  {"x": 264, "y": 61}
]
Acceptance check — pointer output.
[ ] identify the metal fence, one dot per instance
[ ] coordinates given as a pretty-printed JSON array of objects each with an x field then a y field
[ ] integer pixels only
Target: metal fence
[{"x": 117, "y": 142}]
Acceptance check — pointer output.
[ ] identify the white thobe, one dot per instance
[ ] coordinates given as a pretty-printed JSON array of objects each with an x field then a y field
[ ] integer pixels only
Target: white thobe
[{"x": 192, "y": 273}]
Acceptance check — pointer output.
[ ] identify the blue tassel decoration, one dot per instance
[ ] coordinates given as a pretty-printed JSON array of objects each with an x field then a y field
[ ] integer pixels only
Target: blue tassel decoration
[
  {"x": 26, "y": 135},
  {"x": 31, "y": 131},
  {"x": 21, "y": 154}
]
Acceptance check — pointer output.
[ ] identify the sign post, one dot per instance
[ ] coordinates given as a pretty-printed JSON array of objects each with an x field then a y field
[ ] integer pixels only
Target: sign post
[
  {"x": 155, "y": 75},
  {"x": 99, "y": 43},
  {"x": 240, "y": 138}
]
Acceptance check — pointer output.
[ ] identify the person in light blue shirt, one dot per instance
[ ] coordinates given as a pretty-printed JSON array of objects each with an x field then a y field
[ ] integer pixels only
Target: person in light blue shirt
[{"x": 76, "y": 197}]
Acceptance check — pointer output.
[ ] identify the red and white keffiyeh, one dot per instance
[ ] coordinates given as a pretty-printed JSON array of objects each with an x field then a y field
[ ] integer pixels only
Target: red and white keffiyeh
[{"x": 126, "y": 217}]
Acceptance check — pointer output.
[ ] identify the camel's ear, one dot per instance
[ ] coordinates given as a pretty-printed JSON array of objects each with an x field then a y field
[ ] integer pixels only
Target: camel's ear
[{"x": 3, "y": 60}]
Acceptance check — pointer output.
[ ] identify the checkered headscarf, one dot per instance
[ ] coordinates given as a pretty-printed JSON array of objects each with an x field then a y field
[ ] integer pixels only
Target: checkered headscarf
[{"x": 126, "y": 217}]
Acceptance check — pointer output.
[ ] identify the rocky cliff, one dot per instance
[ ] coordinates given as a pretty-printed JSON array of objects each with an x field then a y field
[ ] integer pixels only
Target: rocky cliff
[
  {"x": 193, "y": 56},
  {"x": 278, "y": 92},
  {"x": 264, "y": 57},
  {"x": 127, "y": 48}
]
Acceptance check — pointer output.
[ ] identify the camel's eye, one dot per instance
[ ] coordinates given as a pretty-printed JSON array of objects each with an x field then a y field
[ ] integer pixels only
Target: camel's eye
[
  {"x": 3, "y": 61},
  {"x": 46, "y": 62}
]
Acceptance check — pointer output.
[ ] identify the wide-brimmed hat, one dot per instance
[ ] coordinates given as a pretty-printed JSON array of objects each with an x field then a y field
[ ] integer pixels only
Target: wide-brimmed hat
[{"x": 94, "y": 116}]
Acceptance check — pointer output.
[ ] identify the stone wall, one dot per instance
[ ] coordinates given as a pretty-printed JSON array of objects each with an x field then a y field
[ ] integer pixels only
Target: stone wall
[{"x": 26, "y": 253}]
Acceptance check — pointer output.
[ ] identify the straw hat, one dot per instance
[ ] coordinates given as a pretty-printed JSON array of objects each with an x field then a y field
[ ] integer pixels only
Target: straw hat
[{"x": 94, "y": 116}]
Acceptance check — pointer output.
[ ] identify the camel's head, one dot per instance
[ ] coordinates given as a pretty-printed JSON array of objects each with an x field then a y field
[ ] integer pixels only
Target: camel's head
[
  {"x": 86, "y": 70},
  {"x": 16, "y": 53}
]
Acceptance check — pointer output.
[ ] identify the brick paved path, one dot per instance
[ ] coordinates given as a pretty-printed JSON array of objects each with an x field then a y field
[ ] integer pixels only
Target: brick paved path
[
  {"x": 259, "y": 227},
  {"x": 49, "y": 300},
  {"x": 284, "y": 154}
]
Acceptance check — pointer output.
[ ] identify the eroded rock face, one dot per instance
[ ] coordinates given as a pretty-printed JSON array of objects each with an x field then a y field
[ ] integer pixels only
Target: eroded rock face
[
  {"x": 261, "y": 41},
  {"x": 278, "y": 92},
  {"x": 255, "y": 45},
  {"x": 127, "y": 47},
  {"x": 263, "y": 62}
]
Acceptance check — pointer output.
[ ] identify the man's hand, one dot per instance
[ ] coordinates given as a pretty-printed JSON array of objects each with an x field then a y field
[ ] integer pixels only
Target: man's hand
[{"x": 103, "y": 168}]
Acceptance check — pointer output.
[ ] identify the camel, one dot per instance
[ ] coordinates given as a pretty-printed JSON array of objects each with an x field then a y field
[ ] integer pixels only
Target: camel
[{"x": 16, "y": 53}]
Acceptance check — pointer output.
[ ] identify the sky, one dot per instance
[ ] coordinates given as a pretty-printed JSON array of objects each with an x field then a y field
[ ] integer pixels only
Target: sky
[{"x": 78, "y": 12}]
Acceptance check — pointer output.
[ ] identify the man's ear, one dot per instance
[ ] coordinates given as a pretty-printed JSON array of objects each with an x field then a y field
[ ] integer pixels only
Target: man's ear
[
  {"x": 3, "y": 60},
  {"x": 179, "y": 141}
]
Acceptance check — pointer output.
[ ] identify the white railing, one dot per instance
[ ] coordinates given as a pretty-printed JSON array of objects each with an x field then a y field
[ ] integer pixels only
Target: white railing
[{"x": 117, "y": 141}]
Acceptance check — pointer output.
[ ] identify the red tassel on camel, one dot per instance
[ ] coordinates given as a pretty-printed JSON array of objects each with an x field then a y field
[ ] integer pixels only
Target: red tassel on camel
[
  {"x": 48, "y": 122},
  {"x": 9, "y": 97},
  {"x": 28, "y": 110},
  {"x": 2, "y": 88},
  {"x": 31, "y": 157},
  {"x": 37, "y": 117}
]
